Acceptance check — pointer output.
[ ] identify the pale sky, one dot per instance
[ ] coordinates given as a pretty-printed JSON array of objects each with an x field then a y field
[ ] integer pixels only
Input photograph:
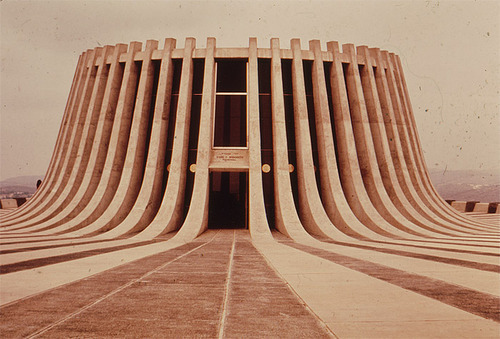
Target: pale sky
[{"x": 450, "y": 53}]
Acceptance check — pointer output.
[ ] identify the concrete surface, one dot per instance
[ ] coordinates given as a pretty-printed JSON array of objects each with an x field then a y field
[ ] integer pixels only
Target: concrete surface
[{"x": 224, "y": 285}]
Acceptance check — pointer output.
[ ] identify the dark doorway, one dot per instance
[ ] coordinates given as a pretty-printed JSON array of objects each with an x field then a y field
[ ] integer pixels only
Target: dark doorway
[{"x": 228, "y": 200}]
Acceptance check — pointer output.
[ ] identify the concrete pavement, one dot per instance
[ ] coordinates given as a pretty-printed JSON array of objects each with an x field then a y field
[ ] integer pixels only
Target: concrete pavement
[{"x": 224, "y": 285}]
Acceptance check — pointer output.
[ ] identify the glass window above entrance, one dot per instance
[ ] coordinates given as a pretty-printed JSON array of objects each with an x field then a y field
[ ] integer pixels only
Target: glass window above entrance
[
  {"x": 230, "y": 121},
  {"x": 231, "y": 76}
]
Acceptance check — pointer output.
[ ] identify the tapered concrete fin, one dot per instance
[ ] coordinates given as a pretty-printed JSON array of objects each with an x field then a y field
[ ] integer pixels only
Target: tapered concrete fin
[
  {"x": 350, "y": 171},
  {"x": 332, "y": 195},
  {"x": 197, "y": 217},
  {"x": 312, "y": 214},
  {"x": 149, "y": 198},
  {"x": 88, "y": 131},
  {"x": 395, "y": 159},
  {"x": 408, "y": 115},
  {"x": 118, "y": 144},
  {"x": 101, "y": 140},
  {"x": 287, "y": 219},
  {"x": 133, "y": 167},
  {"x": 169, "y": 214},
  {"x": 49, "y": 183},
  {"x": 107, "y": 120},
  {"x": 69, "y": 164},
  {"x": 116, "y": 151},
  {"x": 257, "y": 221},
  {"x": 383, "y": 185},
  {"x": 365, "y": 149},
  {"x": 57, "y": 148},
  {"x": 126, "y": 191},
  {"x": 410, "y": 156}
]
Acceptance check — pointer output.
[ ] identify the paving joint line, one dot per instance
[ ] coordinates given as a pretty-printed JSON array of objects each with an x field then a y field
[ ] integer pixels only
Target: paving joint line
[
  {"x": 226, "y": 289},
  {"x": 416, "y": 255},
  {"x": 322, "y": 323},
  {"x": 115, "y": 291},
  {"x": 489, "y": 309}
]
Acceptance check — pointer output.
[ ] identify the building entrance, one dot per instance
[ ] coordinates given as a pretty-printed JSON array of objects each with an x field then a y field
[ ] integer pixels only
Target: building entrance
[{"x": 228, "y": 203}]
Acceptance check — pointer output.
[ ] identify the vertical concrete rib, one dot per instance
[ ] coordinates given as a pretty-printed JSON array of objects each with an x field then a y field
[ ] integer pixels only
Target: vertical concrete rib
[
  {"x": 78, "y": 170},
  {"x": 197, "y": 217},
  {"x": 351, "y": 179},
  {"x": 45, "y": 187},
  {"x": 258, "y": 225},
  {"x": 107, "y": 119},
  {"x": 169, "y": 215},
  {"x": 287, "y": 218},
  {"x": 50, "y": 183},
  {"x": 333, "y": 199},
  {"x": 312, "y": 213},
  {"x": 396, "y": 169},
  {"x": 71, "y": 160},
  {"x": 130, "y": 180},
  {"x": 408, "y": 117},
  {"x": 410, "y": 156},
  {"x": 116, "y": 151},
  {"x": 366, "y": 151},
  {"x": 405, "y": 137},
  {"x": 149, "y": 198},
  {"x": 118, "y": 145},
  {"x": 385, "y": 184}
]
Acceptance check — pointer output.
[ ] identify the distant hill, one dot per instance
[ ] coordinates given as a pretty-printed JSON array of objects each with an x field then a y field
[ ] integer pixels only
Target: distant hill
[
  {"x": 467, "y": 185},
  {"x": 19, "y": 187}
]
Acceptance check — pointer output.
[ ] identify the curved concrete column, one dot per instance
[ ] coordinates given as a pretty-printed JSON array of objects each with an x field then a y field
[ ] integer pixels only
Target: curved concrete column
[
  {"x": 257, "y": 221},
  {"x": 387, "y": 122},
  {"x": 116, "y": 151},
  {"x": 107, "y": 120},
  {"x": 133, "y": 167},
  {"x": 312, "y": 213},
  {"x": 51, "y": 183},
  {"x": 383, "y": 160},
  {"x": 287, "y": 219},
  {"x": 332, "y": 195},
  {"x": 45, "y": 186},
  {"x": 414, "y": 143},
  {"x": 149, "y": 198},
  {"x": 197, "y": 217},
  {"x": 169, "y": 214},
  {"x": 71, "y": 161},
  {"x": 79, "y": 167},
  {"x": 366, "y": 151},
  {"x": 350, "y": 172},
  {"x": 399, "y": 103}
]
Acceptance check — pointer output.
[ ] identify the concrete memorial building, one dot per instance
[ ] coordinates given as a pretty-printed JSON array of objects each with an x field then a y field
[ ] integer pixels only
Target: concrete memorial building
[{"x": 313, "y": 151}]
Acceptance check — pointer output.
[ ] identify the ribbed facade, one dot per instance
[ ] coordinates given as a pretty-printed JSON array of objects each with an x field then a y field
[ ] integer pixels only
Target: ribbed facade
[{"x": 306, "y": 141}]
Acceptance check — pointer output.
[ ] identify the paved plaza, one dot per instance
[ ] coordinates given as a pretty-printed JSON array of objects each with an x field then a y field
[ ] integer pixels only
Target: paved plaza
[{"x": 223, "y": 284}]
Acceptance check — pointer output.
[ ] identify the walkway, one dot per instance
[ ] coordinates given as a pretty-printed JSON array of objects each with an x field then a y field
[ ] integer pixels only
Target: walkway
[
  {"x": 224, "y": 285},
  {"x": 217, "y": 286}
]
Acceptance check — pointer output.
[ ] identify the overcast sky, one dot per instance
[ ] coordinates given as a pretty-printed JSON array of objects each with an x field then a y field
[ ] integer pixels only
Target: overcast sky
[{"x": 449, "y": 49}]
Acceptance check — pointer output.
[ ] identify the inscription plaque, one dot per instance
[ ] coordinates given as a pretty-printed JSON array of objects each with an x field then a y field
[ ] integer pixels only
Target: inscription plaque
[{"x": 229, "y": 159}]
